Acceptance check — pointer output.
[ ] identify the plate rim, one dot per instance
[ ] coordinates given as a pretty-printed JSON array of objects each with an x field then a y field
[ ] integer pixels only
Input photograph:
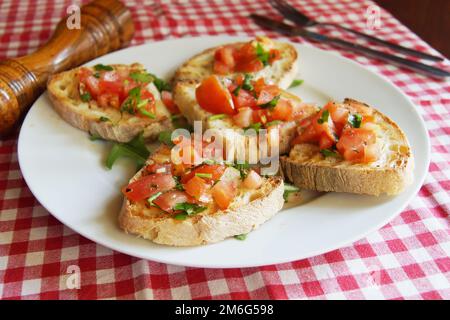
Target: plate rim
[{"x": 343, "y": 243}]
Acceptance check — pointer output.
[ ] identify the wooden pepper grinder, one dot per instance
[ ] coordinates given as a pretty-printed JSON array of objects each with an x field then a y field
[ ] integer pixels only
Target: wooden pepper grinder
[{"x": 105, "y": 26}]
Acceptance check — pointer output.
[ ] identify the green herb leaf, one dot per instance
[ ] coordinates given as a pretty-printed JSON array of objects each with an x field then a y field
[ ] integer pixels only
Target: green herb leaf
[
  {"x": 189, "y": 208},
  {"x": 262, "y": 55},
  {"x": 146, "y": 113},
  {"x": 153, "y": 197},
  {"x": 104, "y": 119},
  {"x": 160, "y": 84},
  {"x": 166, "y": 138},
  {"x": 288, "y": 189},
  {"x": 241, "y": 237},
  {"x": 217, "y": 117},
  {"x": 204, "y": 175},
  {"x": 236, "y": 91},
  {"x": 243, "y": 169},
  {"x": 271, "y": 104},
  {"x": 255, "y": 126},
  {"x": 296, "y": 83},
  {"x": 95, "y": 137},
  {"x": 328, "y": 153},
  {"x": 97, "y": 75},
  {"x": 324, "y": 117},
  {"x": 178, "y": 186},
  {"x": 85, "y": 97},
  {"x": 135, "y": 149},
  {"x": 102, "y": 67},
  {"x": 143, "y": 77},
  {"x": 355, "y": 120},
  {"x": 246, "y": 85},
  {"x": 181, "y": 216}
]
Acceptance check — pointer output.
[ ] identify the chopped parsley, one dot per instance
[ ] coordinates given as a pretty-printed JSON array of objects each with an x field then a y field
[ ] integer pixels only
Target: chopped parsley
[
  {"x": 355, "y": 120},
  {"x": 187, "y": 209},
  {"x": 288, "y": 189},
  {"x": 241, "y": 237},
  {"x": 324, "y": 117},
  {"x": 178, "y": 185},
  {"x": 102, "y": 67},
  {"x": 143, "y": 77},
  {"x": 243, "y": 168},
  {"x": 328, "y": 153},
  {"x": 271, "y": 104},
  {"x": 134, "y": 102},
  {"x": 296, "y": 83},
  {"x": 262, "y": 54},
  {"x": 246, "y": 85},
  {"x": 85, "y": 97},
  {"x": 217, "y": 117},
  {"x": 204, "y": 175}
]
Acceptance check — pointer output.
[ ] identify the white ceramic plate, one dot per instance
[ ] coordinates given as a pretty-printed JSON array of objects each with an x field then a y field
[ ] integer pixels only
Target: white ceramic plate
[{"x": 65, "y": 171}]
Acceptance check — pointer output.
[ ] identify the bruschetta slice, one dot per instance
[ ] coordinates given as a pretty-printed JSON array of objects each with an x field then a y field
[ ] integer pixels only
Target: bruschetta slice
[
  {"x": 243, "y": 102},
  {"x": 115, "y": 102},
  {"x": 276, "y": 62},
  {"x": 349, "y": 147},
  {"x": 180, "y": 204}
]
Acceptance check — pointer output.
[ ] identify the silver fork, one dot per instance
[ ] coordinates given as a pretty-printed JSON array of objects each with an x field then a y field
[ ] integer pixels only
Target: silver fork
[{"x": 294, "y": 15}]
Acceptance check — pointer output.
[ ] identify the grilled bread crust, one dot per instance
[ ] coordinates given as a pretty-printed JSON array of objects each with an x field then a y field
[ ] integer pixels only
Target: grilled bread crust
[
  {"x": 64, "y": 94},
  {"x": 206, "y": 227},
  {"x": 307, "y": 168}
]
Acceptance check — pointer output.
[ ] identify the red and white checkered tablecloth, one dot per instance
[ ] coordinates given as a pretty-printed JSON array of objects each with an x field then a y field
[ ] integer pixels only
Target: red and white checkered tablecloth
[{"x": 406, "y": 259}]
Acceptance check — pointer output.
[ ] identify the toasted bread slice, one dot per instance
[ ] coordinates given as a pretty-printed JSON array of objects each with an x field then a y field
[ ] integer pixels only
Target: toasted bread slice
[
  {"x": 248, "y": 210},
  {"x": 282, "y": 72},
  {"x": 108, "y": 123},
  {"x": 184, "y": 96},
  {"x": 307, "y": 168}
]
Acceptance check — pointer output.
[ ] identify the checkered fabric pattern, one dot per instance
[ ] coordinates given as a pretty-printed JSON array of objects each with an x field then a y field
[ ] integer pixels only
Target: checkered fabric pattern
[{"x": 406, "y": 259}]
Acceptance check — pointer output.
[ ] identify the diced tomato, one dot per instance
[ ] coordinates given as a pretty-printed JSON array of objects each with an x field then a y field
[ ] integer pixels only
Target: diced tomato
[
  {"x": 243, "y": 118},
  {"x": 110, "y": 76},
  {"x": 114, "y": 87},
  {"x": 327, "y": 127},
  {"x": 92, "y": 85},
  {"x": 159, "y": 168},
  {"x": 259, "y": 116},
  {"x": 128, "y": 84},
  {"x": 196, "y": 187},
  {"x": 169, "y": 199},
  {"x": 253, "y": 180},
  {"x": 215, "y": 170},
  {"x": 108, "y": 100},
  {"x": 353, "y": 142},
  {"x": 148, "y": 185},
  {"x": 325, "y": 142},
  {"x": 167, "y": 99},
  {"x": 258, "y": 85},
  {"x": 243, "y": 99},
  {"x": 249, "y": 66},
  {"x": 221, "y": 68},
  {"x": 274, "y": 55},
  {"x": 246, "y": 52},
  {"x": 212, "y": 96},
  {"x": 267, "y": 94},
  {"x": 83, "y": 74},
  {"x": 282, "y": 111},
  {"x": 223, "y": 194},
  {"x": 338, "y": 114},
  {"x": 239, "y": 79},
  {"x": 225, "y": 55}
]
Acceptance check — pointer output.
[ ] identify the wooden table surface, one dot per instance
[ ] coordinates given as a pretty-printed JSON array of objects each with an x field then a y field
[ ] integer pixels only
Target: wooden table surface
[{"x": 430, "y": 19}]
